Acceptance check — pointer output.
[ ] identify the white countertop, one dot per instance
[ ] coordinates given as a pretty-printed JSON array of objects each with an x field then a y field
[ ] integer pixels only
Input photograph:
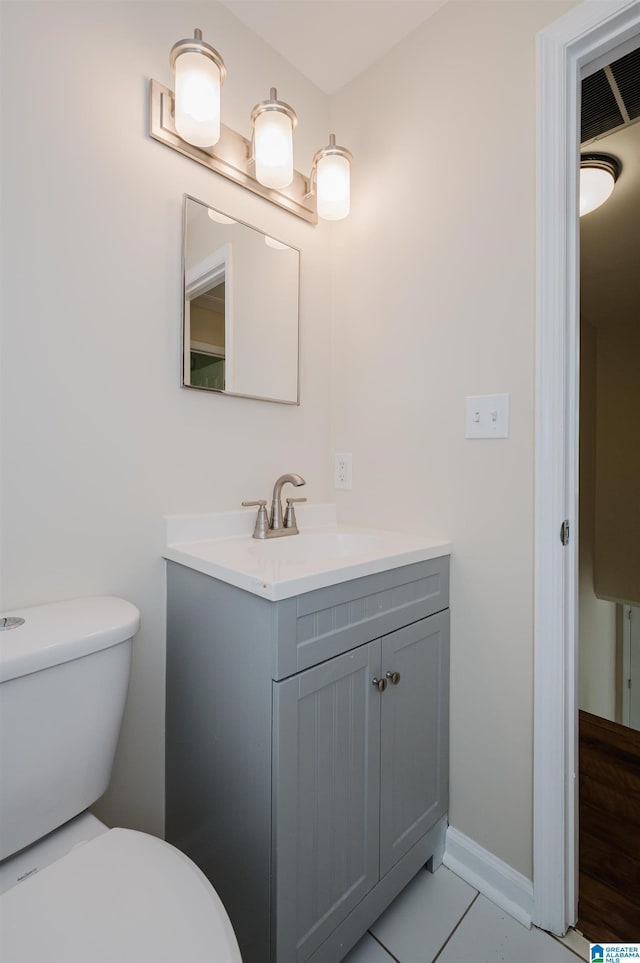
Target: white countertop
[{"x": 324, "y": 553}]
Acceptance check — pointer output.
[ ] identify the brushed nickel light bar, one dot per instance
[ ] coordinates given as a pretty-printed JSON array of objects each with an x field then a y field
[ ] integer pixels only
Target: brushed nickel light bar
[{"x": 189, "y": 122}]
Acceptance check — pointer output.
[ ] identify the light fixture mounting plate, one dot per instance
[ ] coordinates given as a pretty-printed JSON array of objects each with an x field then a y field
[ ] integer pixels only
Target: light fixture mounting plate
[{"x": 230, "y": 157}]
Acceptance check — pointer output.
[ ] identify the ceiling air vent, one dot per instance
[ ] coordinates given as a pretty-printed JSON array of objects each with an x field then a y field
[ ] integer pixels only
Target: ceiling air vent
[
  {"x": 626, "y": 73},
  {"x": 611, "y": 97}
]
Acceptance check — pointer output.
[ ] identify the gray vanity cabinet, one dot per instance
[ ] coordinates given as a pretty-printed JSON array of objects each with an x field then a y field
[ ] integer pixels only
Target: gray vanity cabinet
[
  {"x": 359, "y": 776},
  {"x": 326, "y": 792},
  {"x": 414, "y": 748},
  {"x": 308, "y": 794}
]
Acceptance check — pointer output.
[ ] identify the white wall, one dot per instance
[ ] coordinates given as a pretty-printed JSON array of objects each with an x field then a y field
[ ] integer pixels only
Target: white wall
[
  {"x": 98, "y": 439},
  {"x": 433, "y": 301},
  {"x": 617, "y": 487}
]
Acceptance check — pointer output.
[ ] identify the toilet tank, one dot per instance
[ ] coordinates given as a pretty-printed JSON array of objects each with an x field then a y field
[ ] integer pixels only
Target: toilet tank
[{"x": 63, "y": 682}]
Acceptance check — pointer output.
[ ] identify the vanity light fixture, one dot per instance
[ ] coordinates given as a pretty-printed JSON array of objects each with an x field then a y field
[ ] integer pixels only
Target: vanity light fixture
[
  {"x": 598, "y": 175},
  {"x": 331, "y": 173},
  {"x": 189, "y": 122},
  {"x": 273, "y": 124},
  {"x": 199, "y": 72}
]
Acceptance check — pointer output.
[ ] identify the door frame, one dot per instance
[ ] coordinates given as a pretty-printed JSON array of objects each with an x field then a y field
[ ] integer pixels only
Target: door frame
[
  {"x": 626, "y": 663},
  {"x": 577, "y": 44},
  {"x": 630, "y": 640}
]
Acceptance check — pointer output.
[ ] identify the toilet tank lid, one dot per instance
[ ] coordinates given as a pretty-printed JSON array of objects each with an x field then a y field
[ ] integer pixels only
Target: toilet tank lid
[{"x": 61, "y": 631}]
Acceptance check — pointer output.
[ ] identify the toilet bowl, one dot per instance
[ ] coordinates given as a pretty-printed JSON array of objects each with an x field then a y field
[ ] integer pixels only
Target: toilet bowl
[{"x": 75, "y": 891}]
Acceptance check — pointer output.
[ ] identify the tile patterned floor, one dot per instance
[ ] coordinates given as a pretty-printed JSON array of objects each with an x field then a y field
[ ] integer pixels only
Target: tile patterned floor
[{"x": 440, "y": 917}]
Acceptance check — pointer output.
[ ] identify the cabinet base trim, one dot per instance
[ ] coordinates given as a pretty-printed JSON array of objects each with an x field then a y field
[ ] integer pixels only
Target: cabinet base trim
[{"x": 492, "y": 877}]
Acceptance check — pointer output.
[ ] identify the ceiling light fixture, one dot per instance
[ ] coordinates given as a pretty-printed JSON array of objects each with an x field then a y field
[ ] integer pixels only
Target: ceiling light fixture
[
  {"x": 189, "y": 122},
  {"x": 598, "y": 175}
]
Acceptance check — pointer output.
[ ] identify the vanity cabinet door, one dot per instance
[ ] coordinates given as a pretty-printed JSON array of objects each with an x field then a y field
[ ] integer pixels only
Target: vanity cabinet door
[
  {"x": 414, "y": 735},
  {"x": 326, "y": 754}
]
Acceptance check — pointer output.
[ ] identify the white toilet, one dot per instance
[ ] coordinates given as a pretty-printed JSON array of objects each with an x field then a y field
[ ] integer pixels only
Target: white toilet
[{"x": 73, "y": 891}]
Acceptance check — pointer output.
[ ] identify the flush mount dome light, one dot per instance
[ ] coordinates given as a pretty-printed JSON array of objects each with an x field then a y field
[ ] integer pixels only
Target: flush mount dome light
[{"x": 598, "y": 175}]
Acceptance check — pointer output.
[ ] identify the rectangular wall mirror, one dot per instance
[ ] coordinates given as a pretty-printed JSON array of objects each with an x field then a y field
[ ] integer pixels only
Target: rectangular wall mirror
[{"x": 240, "y": 315}]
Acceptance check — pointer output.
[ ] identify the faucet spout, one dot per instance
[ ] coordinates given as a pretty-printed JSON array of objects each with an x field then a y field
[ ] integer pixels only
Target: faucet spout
[{"x": 276, "y": 522}]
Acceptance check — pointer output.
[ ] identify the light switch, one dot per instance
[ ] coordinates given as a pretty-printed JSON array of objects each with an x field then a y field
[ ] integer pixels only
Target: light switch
[{"x": 487, "y": 416}]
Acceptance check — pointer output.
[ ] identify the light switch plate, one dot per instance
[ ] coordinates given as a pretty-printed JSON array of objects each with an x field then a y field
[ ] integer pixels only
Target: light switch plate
[{"x": 487, "y": 416}]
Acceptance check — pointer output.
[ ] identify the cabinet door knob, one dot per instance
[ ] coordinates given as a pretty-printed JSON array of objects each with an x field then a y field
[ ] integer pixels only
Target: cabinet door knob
[
  {"x": 393, "y": 677},
  {"x": 380, "y": 684}
]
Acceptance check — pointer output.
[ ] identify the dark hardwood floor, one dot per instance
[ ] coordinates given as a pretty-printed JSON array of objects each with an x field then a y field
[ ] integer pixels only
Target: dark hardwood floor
[{"x": 609, "y": 841}]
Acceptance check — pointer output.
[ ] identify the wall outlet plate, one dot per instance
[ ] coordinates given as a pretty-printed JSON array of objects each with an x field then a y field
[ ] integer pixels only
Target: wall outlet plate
[
  {"x": 487, "y": 416},
  {"x": 342, "y": 470}
]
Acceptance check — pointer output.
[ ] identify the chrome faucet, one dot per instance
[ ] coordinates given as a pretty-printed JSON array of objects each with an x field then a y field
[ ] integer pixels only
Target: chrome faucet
[{"x": 275, "y": 526}]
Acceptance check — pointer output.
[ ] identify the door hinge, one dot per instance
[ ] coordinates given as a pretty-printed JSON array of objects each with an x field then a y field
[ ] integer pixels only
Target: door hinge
[{"x": 564, "y": 532}]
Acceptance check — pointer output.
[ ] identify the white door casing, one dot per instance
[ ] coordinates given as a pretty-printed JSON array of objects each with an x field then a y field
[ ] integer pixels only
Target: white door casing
[
  {"x": 631, "y": 666},
  {"x": 575, "y": 45}
]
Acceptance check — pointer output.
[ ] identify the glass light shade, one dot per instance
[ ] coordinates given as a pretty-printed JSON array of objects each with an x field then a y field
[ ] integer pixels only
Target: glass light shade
[
  {"x": 273, "y": 132},
  {"x": 197, "y": 99},
  {"x": 276, "y": 245},
  {"x": 220, "y": 218},
  {"x": 596, "y": 186},
  {"x": 333, "y": 187}
]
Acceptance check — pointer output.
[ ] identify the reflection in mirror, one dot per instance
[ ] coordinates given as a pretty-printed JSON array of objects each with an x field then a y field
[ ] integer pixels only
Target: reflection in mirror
[{"x": 240, "y": 324}]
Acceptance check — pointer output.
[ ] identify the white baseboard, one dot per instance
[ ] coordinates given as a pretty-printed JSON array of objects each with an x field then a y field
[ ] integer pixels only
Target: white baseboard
[{"x": 496, "y": 880}]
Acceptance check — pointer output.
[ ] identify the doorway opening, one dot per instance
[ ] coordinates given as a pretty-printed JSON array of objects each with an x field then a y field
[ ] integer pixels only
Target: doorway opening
[
  {"x": 578, "y": 44},
  {"x": 609, "y": 520}
]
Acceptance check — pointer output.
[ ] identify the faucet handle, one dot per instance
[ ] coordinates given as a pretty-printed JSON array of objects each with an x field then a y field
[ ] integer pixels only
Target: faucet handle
[
  {"x": 262, "y": 521},
  {"x": 290, "y": 514}
]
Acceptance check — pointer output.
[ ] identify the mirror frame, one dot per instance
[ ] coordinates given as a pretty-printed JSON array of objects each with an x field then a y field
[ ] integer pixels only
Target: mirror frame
[{"x": 183, "y": 344}]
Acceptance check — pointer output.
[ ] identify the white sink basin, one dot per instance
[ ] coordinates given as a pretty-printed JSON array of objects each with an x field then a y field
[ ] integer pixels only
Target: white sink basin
[
  {"x": 308, "y": 547},
  {"x": 324, "y": 553}
]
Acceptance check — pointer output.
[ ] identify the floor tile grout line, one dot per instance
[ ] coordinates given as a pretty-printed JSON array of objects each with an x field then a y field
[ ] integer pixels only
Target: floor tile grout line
[
  {"x": 441, "y": 950},
  {"x": 434, "y": 959},
  {"x": 560, "y": 940},
  {"x": 388, "y": 951}
]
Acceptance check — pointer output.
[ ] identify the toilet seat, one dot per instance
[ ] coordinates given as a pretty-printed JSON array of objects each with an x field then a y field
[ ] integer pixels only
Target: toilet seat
[{"x": 123, "y": 897}]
